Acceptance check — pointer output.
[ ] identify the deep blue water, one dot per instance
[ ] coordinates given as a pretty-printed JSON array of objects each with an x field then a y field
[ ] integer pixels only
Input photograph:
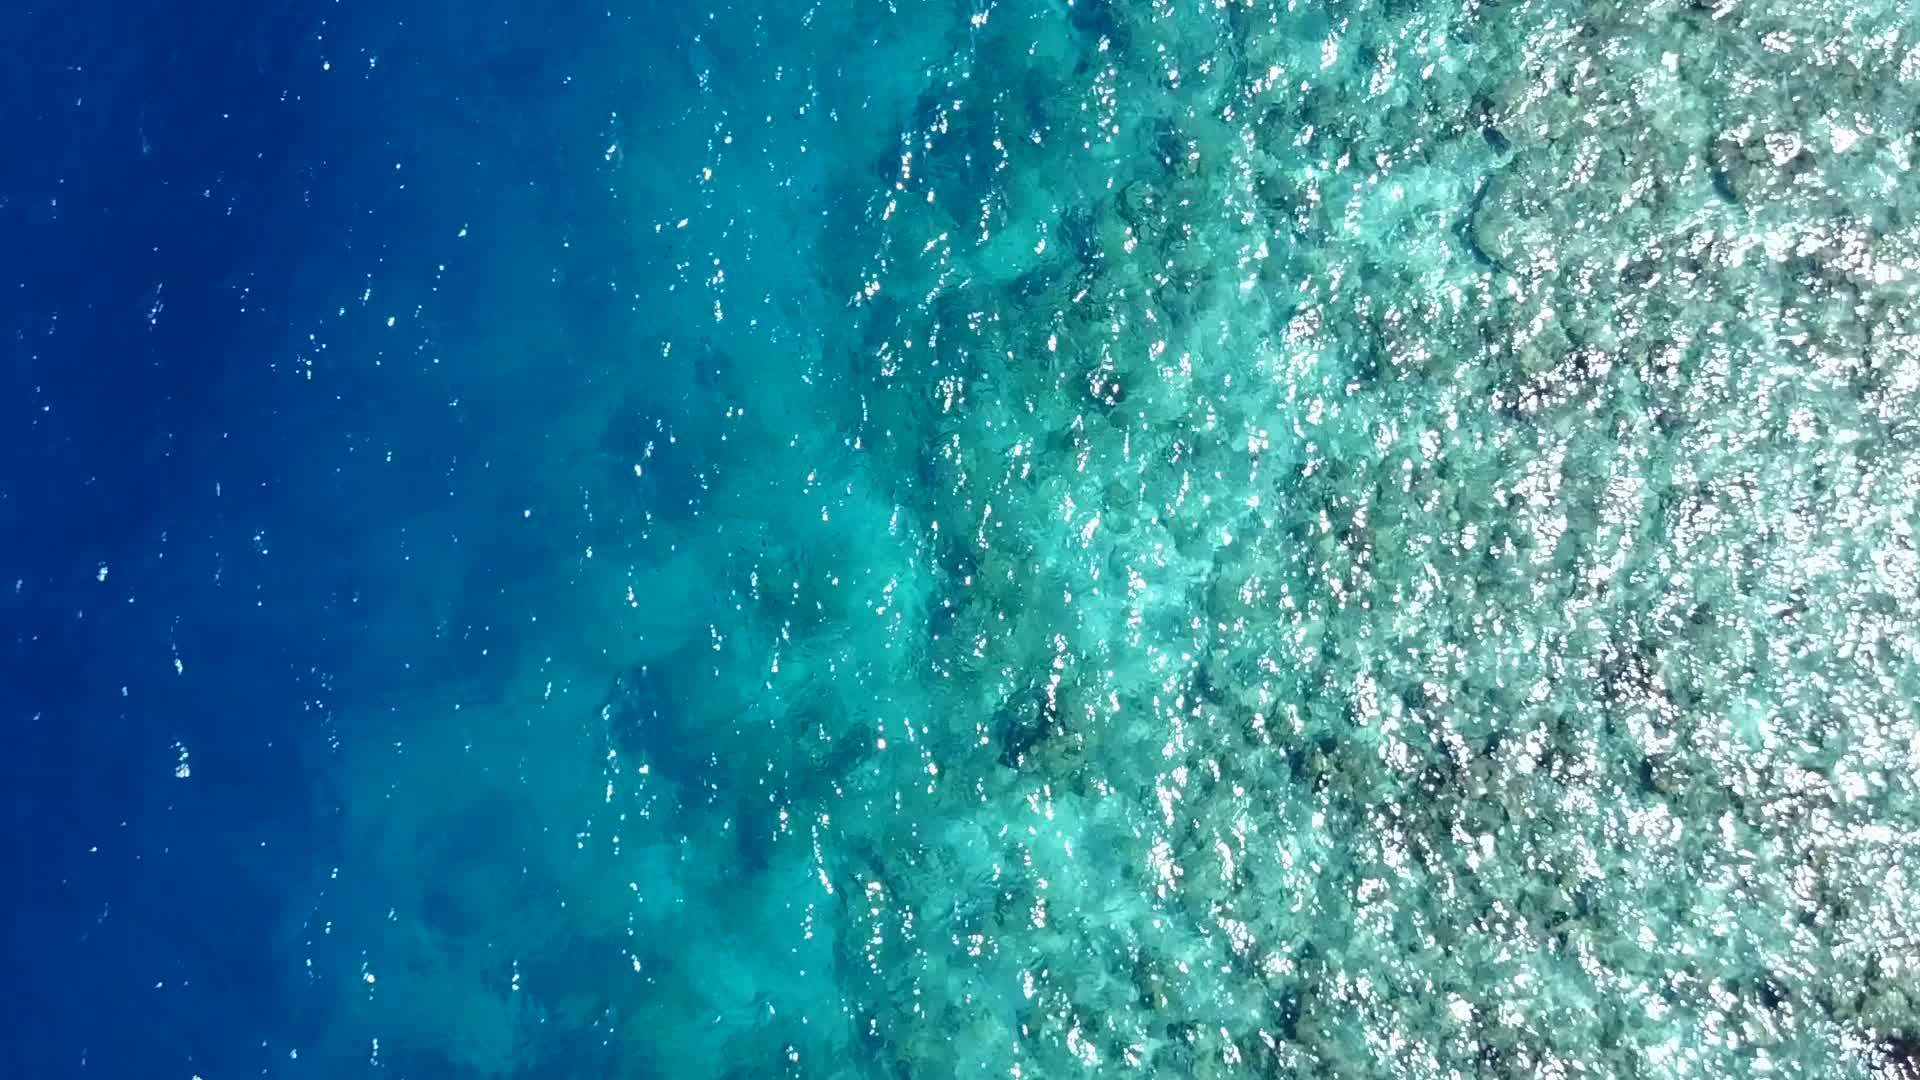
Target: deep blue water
[
  {"x": 190, "y": 194},
  {"x": 946, "y": 537},
  {"x": 152, "y": 200}
]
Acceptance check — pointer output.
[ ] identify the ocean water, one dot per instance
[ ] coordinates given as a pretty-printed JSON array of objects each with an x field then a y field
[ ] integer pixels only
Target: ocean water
[{"x": 935, "y": 538}]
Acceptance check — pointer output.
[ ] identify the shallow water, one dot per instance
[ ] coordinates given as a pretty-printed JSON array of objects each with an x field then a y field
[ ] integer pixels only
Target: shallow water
[{"x": 967, "y": 538}]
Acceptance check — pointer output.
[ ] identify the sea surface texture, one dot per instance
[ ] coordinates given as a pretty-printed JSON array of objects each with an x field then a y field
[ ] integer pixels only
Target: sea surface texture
[{"x": 960, "y": 538}]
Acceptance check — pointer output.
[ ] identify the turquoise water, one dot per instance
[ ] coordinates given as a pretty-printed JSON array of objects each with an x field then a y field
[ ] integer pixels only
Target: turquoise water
[
  {"x": 1027, "y": 539},
  {"x": 1206, "y": 539}
]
